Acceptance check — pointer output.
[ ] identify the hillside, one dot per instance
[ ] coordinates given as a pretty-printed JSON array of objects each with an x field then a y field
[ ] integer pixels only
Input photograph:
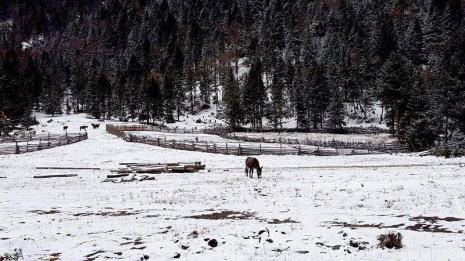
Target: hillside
[{"x": 308, "y": 62}]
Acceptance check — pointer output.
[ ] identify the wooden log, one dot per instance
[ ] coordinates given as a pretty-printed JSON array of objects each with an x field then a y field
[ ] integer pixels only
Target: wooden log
[
  {"x": 150, "y": 170},
  {"x": 68, "y": 168},
  {"x": 55, "y": 176},
  {"x": 117, "y": 176}
]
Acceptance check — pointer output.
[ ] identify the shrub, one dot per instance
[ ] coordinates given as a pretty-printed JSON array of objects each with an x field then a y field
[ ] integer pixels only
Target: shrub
[
  {"x": 390, "y": 240},
  {"x": 17, "y": 254}
]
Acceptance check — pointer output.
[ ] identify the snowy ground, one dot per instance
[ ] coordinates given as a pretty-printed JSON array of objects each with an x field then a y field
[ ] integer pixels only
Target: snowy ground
[{"x": 307, "y": 204}]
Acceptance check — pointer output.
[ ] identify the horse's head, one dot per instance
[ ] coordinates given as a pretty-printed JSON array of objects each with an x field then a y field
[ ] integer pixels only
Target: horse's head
[{"x": 259, "y": 171}]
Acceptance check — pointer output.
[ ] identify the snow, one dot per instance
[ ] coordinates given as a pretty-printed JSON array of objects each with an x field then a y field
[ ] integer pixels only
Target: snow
[
  {"x": 77, "y": 217},
  {"x": 6, "y": 25},
  {"x": 33, "y": 42}
]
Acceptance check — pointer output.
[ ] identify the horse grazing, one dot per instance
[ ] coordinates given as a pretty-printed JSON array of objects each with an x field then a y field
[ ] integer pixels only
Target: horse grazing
[
  {"x": 250, "y": 165},
  {"x": 83, "y": 128},
  {"x": 96, "y": 125}
]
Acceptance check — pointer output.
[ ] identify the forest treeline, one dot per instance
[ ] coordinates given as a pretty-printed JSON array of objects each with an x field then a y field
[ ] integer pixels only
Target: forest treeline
[{"x": 308, "y": 59}]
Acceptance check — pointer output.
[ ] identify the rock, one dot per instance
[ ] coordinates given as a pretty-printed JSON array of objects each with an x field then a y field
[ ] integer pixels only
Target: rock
[
  {"x": 213, "y": 243},
  {"x": 177, "y": 255},
  {"x": 194, "y": 234},
  {"x": 269, "y": 240}
]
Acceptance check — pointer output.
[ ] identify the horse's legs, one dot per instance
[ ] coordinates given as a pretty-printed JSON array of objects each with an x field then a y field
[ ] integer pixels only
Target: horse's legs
[
  {"x": 246, "y": 171},
  {"x": 251, "y": 173}
]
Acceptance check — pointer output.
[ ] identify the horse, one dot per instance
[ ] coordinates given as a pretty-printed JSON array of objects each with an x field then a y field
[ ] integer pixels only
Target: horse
[
  {"x": 96, "y": 125},
  {"x": 83, "y": 128},
  {"x": 251, "y": 164}
]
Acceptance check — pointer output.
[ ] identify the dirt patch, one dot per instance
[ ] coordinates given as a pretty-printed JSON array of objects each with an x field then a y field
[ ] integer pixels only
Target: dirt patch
[
  {"x": 94, "y": 255},
  {"x": 136, "y": 242},
  {"x": 119, "y": 213},
  {"x": 285, "y": 221},
  {"x": 354, "y": 226},
  {"x": 335, "y": 247},
  {"x": 429, "y": 228},
  {"x": 45, "y": 212},
  {"x": 224, "y": 215},
  {"x": 420, "y": 227},
  {"x": 435, "y": 219}
]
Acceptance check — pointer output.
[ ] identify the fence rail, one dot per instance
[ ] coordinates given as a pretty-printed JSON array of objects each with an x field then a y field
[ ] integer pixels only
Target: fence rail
[{"x": 40, "y": 143}]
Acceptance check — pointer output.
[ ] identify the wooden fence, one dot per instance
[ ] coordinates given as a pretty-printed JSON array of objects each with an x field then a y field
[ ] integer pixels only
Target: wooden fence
[
  {"x": 241, "y": 149},
  {"x": 368, "y": 146},
  {"x": 119, "y": 130},
  {"x": 40, "y": 143}
]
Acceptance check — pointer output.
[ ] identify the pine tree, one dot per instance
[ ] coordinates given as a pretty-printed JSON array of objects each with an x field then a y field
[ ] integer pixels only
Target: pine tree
[
  {"x": 232, "y": 101},
  {"x": 395, "y": 82},
  {"x": 336, "y": 111},
  {"x": 168, "y": 99},
  {"x": 254, "y": 95},
  {"x": 276, "y": 111}
]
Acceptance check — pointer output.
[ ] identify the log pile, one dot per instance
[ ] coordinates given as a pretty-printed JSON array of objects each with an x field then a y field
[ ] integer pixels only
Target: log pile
[{"x": 158, "y": 168}]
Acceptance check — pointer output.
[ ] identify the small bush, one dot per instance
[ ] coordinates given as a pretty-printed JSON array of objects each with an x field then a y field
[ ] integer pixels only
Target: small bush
[
  {"x": 390, "y": 240},
  {"x": 17, "y": 254}
]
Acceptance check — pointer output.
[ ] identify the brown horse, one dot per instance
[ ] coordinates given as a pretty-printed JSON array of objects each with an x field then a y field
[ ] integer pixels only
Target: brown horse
[{"x": 250, "y": 165}]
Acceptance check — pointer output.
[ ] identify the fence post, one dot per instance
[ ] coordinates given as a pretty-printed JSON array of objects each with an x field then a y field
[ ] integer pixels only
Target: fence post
[
  {"x": 27, "y": 146},
  {"x": 214, "y": 147},
  {"x": 240, "y": 150},
  {"x": 40, "y": 145},
  {"x": 158, "y": 142},
  {"x": 193, "y": 146},
  {"x": 17, "y": 148},
  {"x": 227, "y": 152},
  {"x": 318, "y": 150},
  {"x": 299, "y": 151},
  {"x": 260, "y": 149}
]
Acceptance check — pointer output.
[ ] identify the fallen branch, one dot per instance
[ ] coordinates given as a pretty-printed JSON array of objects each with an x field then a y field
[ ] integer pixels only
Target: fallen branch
[
  {"x": 55, "y": 176},
  {"x": 68, "y": 168}
]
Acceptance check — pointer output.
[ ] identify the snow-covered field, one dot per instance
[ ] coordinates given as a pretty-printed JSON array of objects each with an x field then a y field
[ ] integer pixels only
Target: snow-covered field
[{"x": 309, "y": 207}]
